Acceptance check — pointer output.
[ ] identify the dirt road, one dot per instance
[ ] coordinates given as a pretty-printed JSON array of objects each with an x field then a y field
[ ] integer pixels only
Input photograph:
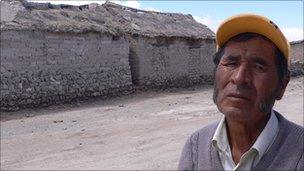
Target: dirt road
[{"x": 140, "y": 131}]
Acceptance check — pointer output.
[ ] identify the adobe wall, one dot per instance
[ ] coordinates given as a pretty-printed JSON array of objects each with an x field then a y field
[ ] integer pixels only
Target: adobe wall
[
  {"x": 43, "y": 68},
  {"x": 296, "y": 51},
  {"x": 297, "y": 58},
  {"x": 166, "y": 61}
]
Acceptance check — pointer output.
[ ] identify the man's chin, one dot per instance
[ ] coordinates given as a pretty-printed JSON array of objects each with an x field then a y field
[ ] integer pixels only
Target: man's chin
[{"x": 236, "y": 113}]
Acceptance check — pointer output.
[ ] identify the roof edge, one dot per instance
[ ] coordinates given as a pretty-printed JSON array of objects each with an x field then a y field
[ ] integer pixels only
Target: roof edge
[{"x": 297, "y": 42}]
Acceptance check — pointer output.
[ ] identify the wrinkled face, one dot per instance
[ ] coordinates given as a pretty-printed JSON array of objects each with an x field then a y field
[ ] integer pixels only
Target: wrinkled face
[{"x": 246, "y": 80}]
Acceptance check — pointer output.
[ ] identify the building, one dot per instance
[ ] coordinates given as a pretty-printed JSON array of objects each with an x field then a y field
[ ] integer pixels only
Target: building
[{"x": 55, "y": 53}]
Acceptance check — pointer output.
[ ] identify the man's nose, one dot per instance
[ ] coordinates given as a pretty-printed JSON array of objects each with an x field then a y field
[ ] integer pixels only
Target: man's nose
[{"x": 241, "y": 76}]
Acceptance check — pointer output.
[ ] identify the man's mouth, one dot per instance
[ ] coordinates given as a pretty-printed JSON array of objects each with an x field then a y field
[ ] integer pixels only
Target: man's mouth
[{"x": 237, "y": 96}]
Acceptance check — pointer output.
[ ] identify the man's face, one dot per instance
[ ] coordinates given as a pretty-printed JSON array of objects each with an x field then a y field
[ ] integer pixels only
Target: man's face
[{"x": 246, "y": 80}]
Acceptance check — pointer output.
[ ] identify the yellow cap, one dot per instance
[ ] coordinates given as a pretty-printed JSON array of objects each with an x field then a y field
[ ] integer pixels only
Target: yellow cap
[{"x": 255, "y": 24}]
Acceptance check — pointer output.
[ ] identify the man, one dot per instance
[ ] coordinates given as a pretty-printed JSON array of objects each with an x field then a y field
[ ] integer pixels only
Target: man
[{"x": 251, "y": 73}]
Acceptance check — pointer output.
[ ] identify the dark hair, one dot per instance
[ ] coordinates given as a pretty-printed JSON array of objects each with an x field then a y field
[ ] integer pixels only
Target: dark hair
[{"x": 280, "y": 60}]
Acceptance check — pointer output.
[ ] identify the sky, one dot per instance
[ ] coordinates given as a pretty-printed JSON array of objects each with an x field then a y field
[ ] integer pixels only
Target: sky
[{"x": 288, "y": 15}]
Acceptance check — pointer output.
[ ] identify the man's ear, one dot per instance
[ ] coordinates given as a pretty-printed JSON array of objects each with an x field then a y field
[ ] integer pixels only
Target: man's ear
[{"x": 282, "y": 89}]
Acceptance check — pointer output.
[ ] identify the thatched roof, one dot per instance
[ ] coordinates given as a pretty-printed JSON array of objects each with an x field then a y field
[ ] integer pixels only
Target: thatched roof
[{"x": 107, "y": 18}]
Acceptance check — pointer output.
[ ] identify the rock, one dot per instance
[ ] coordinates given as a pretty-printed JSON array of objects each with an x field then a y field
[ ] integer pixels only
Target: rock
[{"x": 57, "y": 121}]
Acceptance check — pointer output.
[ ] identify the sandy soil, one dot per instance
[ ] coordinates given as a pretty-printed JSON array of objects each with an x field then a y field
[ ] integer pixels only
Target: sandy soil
[{"x": 140, "y": 131}]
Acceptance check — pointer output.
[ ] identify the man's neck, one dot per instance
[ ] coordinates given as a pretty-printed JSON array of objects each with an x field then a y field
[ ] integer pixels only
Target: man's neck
[{"x": 241, "y": 136}]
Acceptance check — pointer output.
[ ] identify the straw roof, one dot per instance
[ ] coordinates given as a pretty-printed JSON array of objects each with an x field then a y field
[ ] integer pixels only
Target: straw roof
[{"x": 107, "y": 18}]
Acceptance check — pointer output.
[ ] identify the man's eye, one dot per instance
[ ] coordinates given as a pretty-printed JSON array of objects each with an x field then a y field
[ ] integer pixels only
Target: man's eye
[
  {"x": 259, "y": 68},
  {"x": 231, "y": 64}
]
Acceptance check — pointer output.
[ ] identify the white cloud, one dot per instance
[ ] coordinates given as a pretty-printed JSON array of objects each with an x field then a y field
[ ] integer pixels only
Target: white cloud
[
  {"x": 151, "y": 9},
  {"x": 293, "y": 33},
  {"x": 129, "y": 3},
  {"x": 134, "y": 4},
  {"x": 208, "y": 21}
]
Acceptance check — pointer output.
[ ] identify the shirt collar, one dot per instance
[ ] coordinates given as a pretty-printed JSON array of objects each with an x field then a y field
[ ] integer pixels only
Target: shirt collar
[
  {"x": 267, "y": 136},
  {"x": 263, "y": 142},
  {"x": 219, "y": 139}
]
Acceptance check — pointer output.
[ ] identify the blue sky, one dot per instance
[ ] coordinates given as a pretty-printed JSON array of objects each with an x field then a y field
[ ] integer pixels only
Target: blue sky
[{"x": 288, "y": 15}]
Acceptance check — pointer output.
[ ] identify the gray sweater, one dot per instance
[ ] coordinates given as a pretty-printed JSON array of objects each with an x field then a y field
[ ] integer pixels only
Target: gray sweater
[{"x": 286, "y": 153}]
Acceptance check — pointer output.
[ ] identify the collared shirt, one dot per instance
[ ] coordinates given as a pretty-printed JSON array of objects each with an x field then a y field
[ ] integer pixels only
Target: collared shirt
[{"x": 251, "y": 157}]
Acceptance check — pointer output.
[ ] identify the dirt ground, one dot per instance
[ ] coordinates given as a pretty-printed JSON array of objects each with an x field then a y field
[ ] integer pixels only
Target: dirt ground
[{"x": 140, "y": 131}]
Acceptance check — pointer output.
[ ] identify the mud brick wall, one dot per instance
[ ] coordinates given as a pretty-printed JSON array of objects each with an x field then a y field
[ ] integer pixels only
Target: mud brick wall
[
  {"x": 42, "y": 67},
  {"x": 297, "y": 51},
  {"x": 170, "y": 61},
  {"x": 297, "y": 58}
]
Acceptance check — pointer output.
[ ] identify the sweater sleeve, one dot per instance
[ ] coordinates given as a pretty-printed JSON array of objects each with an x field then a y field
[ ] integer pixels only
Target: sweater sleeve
[{"x": 186, "y": 162}]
